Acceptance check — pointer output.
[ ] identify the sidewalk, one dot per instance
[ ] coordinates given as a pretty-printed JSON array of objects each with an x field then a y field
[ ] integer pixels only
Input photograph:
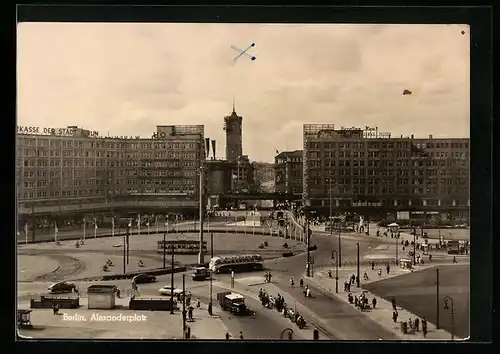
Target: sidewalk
[
  {"x": 120, "y": 323},
  {"x": 383, "y": 312}
]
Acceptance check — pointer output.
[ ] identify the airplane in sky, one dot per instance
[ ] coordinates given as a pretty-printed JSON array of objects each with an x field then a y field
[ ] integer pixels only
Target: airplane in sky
[{"x": 244, "y": 52}]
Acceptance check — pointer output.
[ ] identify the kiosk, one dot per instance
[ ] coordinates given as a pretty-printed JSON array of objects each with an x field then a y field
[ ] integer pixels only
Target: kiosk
[
  {"x": 101, "y": 296},
  {"x": 406, "y": 263}
]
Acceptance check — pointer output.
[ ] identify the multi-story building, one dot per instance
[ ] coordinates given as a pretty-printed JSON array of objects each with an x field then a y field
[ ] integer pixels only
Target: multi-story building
[
  {"x": 288, "y": 172},
  {"x": 263, "y": 177},
  {"x": 356, "y": 168},
  {"x": 242, "y": 175},
  {"x": 75, "y": 166}
]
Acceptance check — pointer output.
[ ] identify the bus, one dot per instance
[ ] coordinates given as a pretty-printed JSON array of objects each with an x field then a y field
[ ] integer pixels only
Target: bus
[
  {"x": 181, "y": 246},
  {"x": 239, "y": 263}
]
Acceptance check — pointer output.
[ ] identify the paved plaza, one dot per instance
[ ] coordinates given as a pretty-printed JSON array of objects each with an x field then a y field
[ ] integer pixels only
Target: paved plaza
[
  {"x": 68, "y": 262},
  {"x": 120, "y": 323}
]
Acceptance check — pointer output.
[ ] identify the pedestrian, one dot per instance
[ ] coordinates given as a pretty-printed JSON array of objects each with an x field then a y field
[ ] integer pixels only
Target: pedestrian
[
  {"x": 393, "y": 302},
  {"x": 291, "y": 283},
  {"x": 454, "y": 259},
  {"x": 430, "y": 257},
  {"x": 373, "y": 265},
  {"x": 356, "y": 301},
  {"x": 241, "y": 335},
  {"x": 301, "y": 283},
  {"x": 227, "y": 335},
  {"x": 374, "y": 302},
  {"x": 198, "y": 303},
  {"x": 190, "y": 313},
  {"x": 270, "y": 276},
  {"x": 424, "y": 327},
  {"x": 417, "y": 324},
  {"x": 395, "y": 316},
  {"x": 330, "y": 274},
  {"x": 357, "y": 279}
]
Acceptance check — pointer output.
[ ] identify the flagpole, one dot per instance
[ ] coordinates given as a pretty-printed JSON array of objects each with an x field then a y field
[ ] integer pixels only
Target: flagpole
[{"x": 84, "y": 222}]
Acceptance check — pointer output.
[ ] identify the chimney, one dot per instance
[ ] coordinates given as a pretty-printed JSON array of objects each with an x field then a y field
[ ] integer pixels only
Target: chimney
[
  {"x": 213, "y": 147},
  {"x": 430, "y": 136},
  {"x": 411, "y": 136}
]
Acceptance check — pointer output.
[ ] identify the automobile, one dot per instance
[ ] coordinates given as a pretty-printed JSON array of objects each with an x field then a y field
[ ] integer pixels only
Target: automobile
[
  {"x": 201, "y": 273},
  {"x": 144, "y": 278},
  {"x": 234, "y": 303},
  {"x": 61, "y": 287},
  {"x": 167, "y": 290}
]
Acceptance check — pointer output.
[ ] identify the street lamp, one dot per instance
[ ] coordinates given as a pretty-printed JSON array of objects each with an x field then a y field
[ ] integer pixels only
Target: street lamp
[
  {"x": 447, "y": 299},
  {"x": 335, "y": 256}
]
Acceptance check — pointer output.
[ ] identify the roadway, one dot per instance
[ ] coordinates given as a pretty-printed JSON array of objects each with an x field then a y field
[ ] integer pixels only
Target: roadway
[{"x": 347, "y": 321}]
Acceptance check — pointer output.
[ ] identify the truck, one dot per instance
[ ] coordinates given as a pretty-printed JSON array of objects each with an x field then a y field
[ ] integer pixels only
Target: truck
[
  {"x": 201, "y": 273},
  {"x": 233, "y": 302}
]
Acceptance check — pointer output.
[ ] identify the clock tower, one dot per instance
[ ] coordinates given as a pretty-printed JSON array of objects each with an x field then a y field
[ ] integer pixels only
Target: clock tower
[{"x": 233, "y": 128}]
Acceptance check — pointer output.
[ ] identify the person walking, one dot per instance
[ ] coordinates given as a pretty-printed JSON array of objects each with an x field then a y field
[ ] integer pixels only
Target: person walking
[
  {"x": 190, "y": 313},
  {"x": 241, "y": 335},
  {"x": 417, "y": 324},
  {"x": 454, "y": 259},
  {"x": 424, "y": 327},
  {"x": 228, "y": 336},
  {"x": 395, "y": 316},
  {"x": 393, "y": 302},
  {"x": 374, "y": 302},
  {"x": 373, "y": 265},
  {"x": 388, "y": 268}
]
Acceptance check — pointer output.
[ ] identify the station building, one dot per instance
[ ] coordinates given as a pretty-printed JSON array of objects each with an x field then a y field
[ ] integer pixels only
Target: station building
[
  {"x": 371, "y": 172},
  {"x": 66, "y": 169}
]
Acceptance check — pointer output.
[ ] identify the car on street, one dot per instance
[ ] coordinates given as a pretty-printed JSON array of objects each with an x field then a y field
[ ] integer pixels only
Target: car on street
[
  {"x": 61, "y": 287},
  {"x": 201, "y": 273},
  {"x": 167, "y": 291},
  {"x": 144, "y": 278}
]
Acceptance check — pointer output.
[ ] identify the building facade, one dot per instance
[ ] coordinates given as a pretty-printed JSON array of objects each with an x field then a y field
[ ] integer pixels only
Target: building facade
[
  {"x": 263, "y": 177},
  {"x": 73, "y": 165},
  {"x": 288, "y": 172},
  {"x": 354, "y": 168},
  {"x": 242, "y": 175},
  {"x": 233, "y": 125}
]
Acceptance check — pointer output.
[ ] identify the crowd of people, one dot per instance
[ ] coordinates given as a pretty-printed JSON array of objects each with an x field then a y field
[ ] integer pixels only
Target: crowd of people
[{"x": 278, "y": 303}]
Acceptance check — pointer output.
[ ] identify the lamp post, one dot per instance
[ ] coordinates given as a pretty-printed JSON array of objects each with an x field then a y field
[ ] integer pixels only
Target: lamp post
[
  {"x": 164, "y": 250},
  {"x": 335, "y": 256},
  {"x": 308, "y": 240},
  {"x": 447, "y": 299},
  {"x": 414, "y": 245},
  {"x": 209, "y": 270},
  {"x": 357, "y": 268},
  {"x": 183, "y": 305},
  {"x": 172, "y": 281},
  {"x": 437, "y": 298},
  {"x": 201, "y": 255},
  {"x": 331, "y": 206},
  {"x": 340, "y": 249}
]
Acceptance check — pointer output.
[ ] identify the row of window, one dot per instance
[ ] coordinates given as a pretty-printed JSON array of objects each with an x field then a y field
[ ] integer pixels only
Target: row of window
[
  {"x": 91, "y": 144},
  {"x": 386, "y": 145},
  {"x": 399, "y": 181},
  {"x": 103, "y": 163},
  {"x": 377, "y": 190}
]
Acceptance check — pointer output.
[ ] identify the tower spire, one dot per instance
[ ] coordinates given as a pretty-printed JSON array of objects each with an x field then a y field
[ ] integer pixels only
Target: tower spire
[{"x": 234, "y": 111}]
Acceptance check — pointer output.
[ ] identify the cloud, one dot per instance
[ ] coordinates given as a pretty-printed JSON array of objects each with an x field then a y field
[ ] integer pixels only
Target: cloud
[{"x": 130, "y": 77}]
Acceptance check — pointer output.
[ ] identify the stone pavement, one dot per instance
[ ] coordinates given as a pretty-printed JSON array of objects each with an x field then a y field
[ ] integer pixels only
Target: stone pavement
[
  {"x": 31, "y": 267},
  {"x": 382, "y": 314},
  {"x": 83, "y": 323}
]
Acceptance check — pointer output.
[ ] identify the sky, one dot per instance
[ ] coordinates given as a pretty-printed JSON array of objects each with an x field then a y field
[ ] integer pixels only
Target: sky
[{"x": 126, "y": 78}]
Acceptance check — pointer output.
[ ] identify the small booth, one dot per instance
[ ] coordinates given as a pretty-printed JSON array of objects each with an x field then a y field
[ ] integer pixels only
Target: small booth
[
  {"x": 23, "y": 318},
  {"x": 405, "y": 263},
  {"x": 101, "y": 296}
]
